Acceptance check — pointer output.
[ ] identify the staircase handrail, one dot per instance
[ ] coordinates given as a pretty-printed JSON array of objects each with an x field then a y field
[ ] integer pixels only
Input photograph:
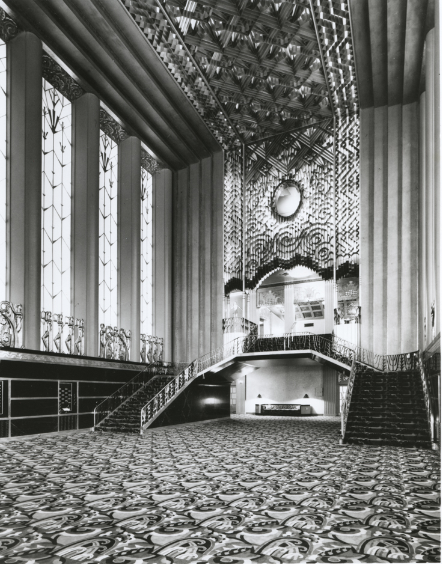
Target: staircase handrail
[
  {"x": 233, "y": 348},
  {"x": 428, "y": 398},
  {"x": 345, "y": 408},
  {"x": 384, "y": 362},
  {"x": 124, "y": 392}
]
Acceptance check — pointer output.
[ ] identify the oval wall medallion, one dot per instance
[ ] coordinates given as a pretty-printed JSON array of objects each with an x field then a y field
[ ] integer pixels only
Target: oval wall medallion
[{"x": 287, "y": 200}]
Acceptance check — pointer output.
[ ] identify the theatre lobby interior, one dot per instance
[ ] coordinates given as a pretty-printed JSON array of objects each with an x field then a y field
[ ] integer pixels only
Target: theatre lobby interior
[{"x": 220, "y": 281}]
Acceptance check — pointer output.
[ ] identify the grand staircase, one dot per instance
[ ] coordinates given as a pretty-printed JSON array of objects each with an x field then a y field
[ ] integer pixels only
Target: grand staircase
[
  {"x": 126, "y": 419},
  {"x": 388, "y": 408},
  {"x": 388, "y": 401}
]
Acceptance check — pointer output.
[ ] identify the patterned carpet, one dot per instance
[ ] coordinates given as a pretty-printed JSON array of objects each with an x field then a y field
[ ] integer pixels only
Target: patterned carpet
[{"x": 245, "y": 490}]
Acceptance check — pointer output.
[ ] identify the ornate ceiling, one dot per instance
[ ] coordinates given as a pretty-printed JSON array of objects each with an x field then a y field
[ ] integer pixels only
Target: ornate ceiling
[{"x": 255, "y": 68}]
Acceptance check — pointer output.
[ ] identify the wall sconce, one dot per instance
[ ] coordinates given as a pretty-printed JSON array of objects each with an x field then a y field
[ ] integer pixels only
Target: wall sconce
[
  {"x": 306, "y": 395},
  {"x": 259, "y": 395}
]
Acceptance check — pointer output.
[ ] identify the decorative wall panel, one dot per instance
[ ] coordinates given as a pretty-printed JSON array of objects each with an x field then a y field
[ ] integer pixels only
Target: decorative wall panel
[
  {"x": 233, "y": 224},
  {"x": 108, "y": 221},
  {"x": 3, "y": 161},
  {"x": 146, "y": 262},
  {"x": 347, "y": 195},
  {"x": 56, "y": 201},
  {"x": 306, "y": 157}
]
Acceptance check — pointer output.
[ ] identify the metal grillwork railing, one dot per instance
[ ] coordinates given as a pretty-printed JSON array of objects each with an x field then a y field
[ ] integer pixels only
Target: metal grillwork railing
[
  {"x": 154, "y": 407},
  {"x": 384, "y": 363},
  {"x": 239, "y": 325},
  {"x": 345, "y": 408},
  {"x": 115, "y": 400}
]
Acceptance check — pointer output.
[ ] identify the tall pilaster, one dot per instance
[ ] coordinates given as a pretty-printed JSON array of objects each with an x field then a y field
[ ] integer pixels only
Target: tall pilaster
[
  {"x": 129, "y": 219},
  {"x": 162, "y": 259},
  {"x": 24, "y": 198},
  {"x": 85, "y": 216}
]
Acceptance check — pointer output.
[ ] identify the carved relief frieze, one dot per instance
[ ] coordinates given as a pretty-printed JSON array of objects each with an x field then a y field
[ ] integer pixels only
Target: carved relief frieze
[
  {"x": 112, "y": 128},
  {"x": 8, "y": 27},
  {"x": 60, "y": 79},
  {"x": 149, "y": 163}
]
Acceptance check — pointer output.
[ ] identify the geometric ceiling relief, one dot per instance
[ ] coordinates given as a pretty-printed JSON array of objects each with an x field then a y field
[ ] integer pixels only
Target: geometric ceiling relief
[
  {"x": 254, "y": 68},
  {"x": 261, "y": 59},
  {"x": 332, "y": 20}
]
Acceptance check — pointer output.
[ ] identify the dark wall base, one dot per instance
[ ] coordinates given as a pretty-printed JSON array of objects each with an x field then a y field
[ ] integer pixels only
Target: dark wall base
[{"x": 204, "y": 399}]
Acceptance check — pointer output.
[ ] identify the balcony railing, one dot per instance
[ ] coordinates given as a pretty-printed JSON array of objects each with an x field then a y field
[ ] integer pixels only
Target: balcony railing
[
  {"x": 62, "y": 335},
  {"x": 239, "y": 325},
  {"x": 151, "y": 349}
]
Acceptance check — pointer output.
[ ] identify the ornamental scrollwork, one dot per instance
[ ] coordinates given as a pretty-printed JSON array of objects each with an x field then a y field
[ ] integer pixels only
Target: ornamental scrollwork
[
  {"x": 8, "y": 27},
  {"x": 112, "y": 128},
  {"x": 11, "y": 323},
  {"x": 60, "y": 79}
]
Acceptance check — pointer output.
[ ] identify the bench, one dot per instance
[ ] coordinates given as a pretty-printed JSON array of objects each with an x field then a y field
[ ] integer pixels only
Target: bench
[{"x": 282, "y": 409}]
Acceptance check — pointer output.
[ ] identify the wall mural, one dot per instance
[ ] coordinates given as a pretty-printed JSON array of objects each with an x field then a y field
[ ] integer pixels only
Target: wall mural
[{"x": 304, "y": 157}]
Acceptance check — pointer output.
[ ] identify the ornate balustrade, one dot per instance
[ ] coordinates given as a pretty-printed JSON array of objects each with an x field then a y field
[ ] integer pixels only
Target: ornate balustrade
[
  {"x": 151, "y": 349},
  {"x": 239, "y": 325},
  {"x": 60, "y": 335},
  {"x": 114, "y": 401},
  {"x": 114, "y": 343},
  {"x": 11, "y": 324}
]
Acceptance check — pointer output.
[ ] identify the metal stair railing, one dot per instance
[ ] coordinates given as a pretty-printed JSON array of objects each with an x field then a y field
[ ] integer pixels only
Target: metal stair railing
[
  {"x": 120, "y": 396},
  {"x": 429, "y": 398},
  {"x": 346, "y": 403},
  {"x": 385, "y": 363},
  {"x": 156, "y": 405}
]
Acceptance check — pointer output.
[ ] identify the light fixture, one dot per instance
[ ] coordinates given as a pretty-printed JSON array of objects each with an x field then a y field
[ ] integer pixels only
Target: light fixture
[
  {"x": 259, "y": 395},
  {"x": 306, "y": 395}
]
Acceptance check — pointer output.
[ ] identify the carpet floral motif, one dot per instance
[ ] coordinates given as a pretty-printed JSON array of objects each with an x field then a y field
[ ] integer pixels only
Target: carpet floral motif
[{"x": 240, "y": 491}]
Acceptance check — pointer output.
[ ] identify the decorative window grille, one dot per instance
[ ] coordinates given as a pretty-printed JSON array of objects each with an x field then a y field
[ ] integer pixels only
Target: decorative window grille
[
  {"x": 2, "y": 170},
  {"x": 146, "y": 253},
  {"x": 56, "y": 201},
  {"x": 108, "y": 253}
]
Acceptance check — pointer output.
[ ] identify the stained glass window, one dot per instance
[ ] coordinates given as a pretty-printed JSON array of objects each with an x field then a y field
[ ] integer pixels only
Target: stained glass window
[
  {"x": 2, "y": 170},
  {"x": 108, "y": 253},
  {"x": 56, "y": 201},
  {"x": 146, "y": 253}
]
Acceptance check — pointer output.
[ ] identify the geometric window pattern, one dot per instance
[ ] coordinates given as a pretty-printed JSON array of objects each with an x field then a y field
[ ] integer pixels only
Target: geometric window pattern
[
  {"x": 307, "y": 310},
  {"x": 146, "y": 273},
  {"x": 3, "y": 100},
  {"x": 56, "y": 201},
  {"x": 108, "y": 222}
]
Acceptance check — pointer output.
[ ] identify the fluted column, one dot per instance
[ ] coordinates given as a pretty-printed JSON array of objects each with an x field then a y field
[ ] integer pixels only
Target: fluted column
[
  {"x": 129, "y": 220},
  {"x": 289, "y": 308},
  {"x": 85, "y": 216},
  {"x": 24, "y": 213},
  {"x": 329, "y": 301}
]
